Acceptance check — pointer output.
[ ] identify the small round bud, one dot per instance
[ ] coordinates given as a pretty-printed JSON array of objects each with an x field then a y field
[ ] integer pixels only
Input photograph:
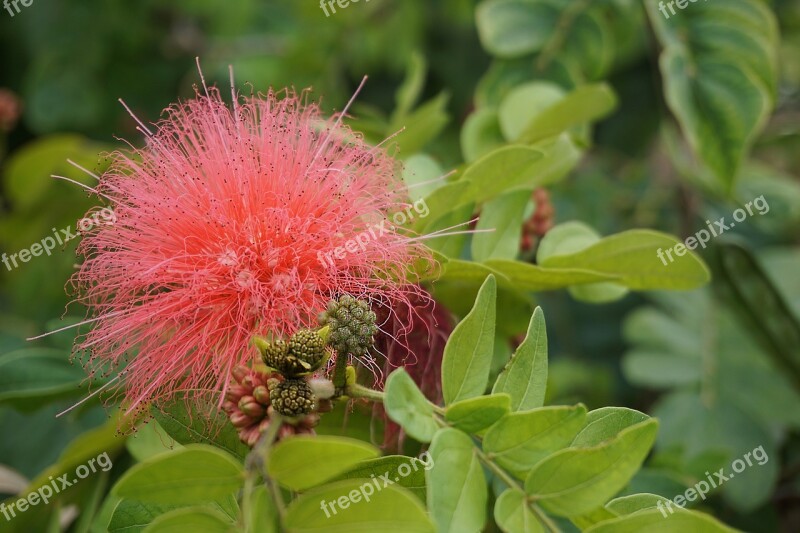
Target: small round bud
[
  {"x": 306, "y": 352},
  {"x": 274, "y": 354},
  {"x": 352, "y": 325},
  {"x": 293, "y": 397},
  {"x": 261, "y": 394},
  {"x": 302, "y": 355}
]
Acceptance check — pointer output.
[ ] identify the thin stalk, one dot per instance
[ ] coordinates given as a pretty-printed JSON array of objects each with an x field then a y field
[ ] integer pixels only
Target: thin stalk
[
  {"x": 358, "y": 391},
  {"x": 255, "y": 464}
]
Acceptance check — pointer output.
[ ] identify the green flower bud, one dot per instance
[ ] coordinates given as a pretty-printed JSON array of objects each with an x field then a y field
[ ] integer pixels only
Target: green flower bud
[
  {"x": 352, "y": 325},
  {"x": 293, "y": 397}
]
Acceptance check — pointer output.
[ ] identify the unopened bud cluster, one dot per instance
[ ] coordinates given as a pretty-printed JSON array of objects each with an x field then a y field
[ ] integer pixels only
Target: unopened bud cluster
[
  {"x": 302, "y": 355},
  {"x": 248, "y": 406},
  {"x": 349, "y": 326},
  {"x": 352, "y": 326}
]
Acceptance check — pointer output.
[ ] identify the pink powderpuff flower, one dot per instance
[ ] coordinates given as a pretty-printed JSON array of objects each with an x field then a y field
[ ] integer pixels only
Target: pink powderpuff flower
[{"x": 233, "y": 222}]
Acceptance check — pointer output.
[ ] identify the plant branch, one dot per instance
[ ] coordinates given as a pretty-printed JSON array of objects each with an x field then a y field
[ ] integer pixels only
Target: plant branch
[
  {"x": 515, "y": 485},
  {"x": 358, "y": 391},
  {"x": 255, "y": 464}
]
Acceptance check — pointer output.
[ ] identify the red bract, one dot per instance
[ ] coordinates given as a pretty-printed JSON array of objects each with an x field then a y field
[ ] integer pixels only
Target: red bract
[
  {"x": 232, "y": 222},
  {"x": 413, "y": 337}
]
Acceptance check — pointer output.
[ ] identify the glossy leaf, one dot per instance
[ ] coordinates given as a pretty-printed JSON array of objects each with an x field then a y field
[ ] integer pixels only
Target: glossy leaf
[
  {"x": 501, "y": 223},
  {"x": 457, "y": 490},
  {"x": 476, "y": 414},
  {"x": 605, "y": 423},
  {"x": 512, "y": 514},
  {"x": 304, "y": 462},
  {"x": 32, "y": 377},
  {"x": 654, "y": 520},
  {"x": 578, "y": 480},
  {"x": 524, "y": 377},
  {"x": 719, "y": 66},
  {"x": 520, "y": 440},
  {"x": 633, "y": 257},
  {"x": 195, "y": 474},
  {"x": 356, "y": 505},
  {"x": 191, "y": 520},
  {"x": 406, "y": 405},
  {"x": 468, "y": 354},
  {"x": 585, "y": 104},
  {"x": 193, "y": 427},
  {"x": 407, "y": 472}
]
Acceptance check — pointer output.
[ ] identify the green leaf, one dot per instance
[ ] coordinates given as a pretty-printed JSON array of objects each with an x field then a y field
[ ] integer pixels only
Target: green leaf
[
  {"x": 625, "y": 505},
  {"x": 528, "y": 277},
  {"x": 33, "y": 377},
  {"x": 407, "y": 472},
  {"x": 520, "y": 440},
  {"x": 457, "y": 490},
  {"x": 476, "y": 414},
  {"x": 468, "y": 354},
  {"x": 587, "y": 103},
  {"x": 605, "y": 423},
  {"x": 358, "y": 506},
  {"x": 131, "y": 516},
  {"x": 525, "y": 103},
  {"x": 194, "y": 427},
  {"x": 150, "y": 441},
  {"x": 191, "y": 520},
  {"x": 654, "y": 520},
  {"x": 512, "y": 514},
  {"x": 263, "y": 515},
  {"x": 719, "y": 66},
  {"x": 421, "y": 125},
  {"x": 461, "y": 270},
  {"x": 420, "y": 172},
  {"x": 633, "y": 256},
  {"x": 501, "y": 223},
  {"x": 406, "y": 405},
  {"x": 517, "y": 167},
  {"x": 304, "y": 462},
  {"x": 658, "y": 371},
  {"x": 689, "y": 422},
  {"x": 409, "y": 92},
  {"x": 27, "y": 175},
  {"x": 510, "y": 28},
  {"x": 576, "y": 481},
  {"x": 480, "y": 134},
  {"x": 572, "y": 237},
  {"x": 195, "y": 474},
  {"x": 524, "y": 378},
  {"x": 101, "y": 442}
]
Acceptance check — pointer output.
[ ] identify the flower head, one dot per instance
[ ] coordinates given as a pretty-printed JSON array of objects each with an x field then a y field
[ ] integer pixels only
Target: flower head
[
  {"x": 248, "y": 406},
  {"x": 233, "y": 222}
]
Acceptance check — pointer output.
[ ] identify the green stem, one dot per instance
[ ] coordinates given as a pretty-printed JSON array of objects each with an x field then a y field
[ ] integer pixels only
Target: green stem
[
  {"x": 515, "y": 485},
  {"x": 358, "y": 391},
  {"x": 255, "y": 464},
  {"x": 340, "y": 372}
]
